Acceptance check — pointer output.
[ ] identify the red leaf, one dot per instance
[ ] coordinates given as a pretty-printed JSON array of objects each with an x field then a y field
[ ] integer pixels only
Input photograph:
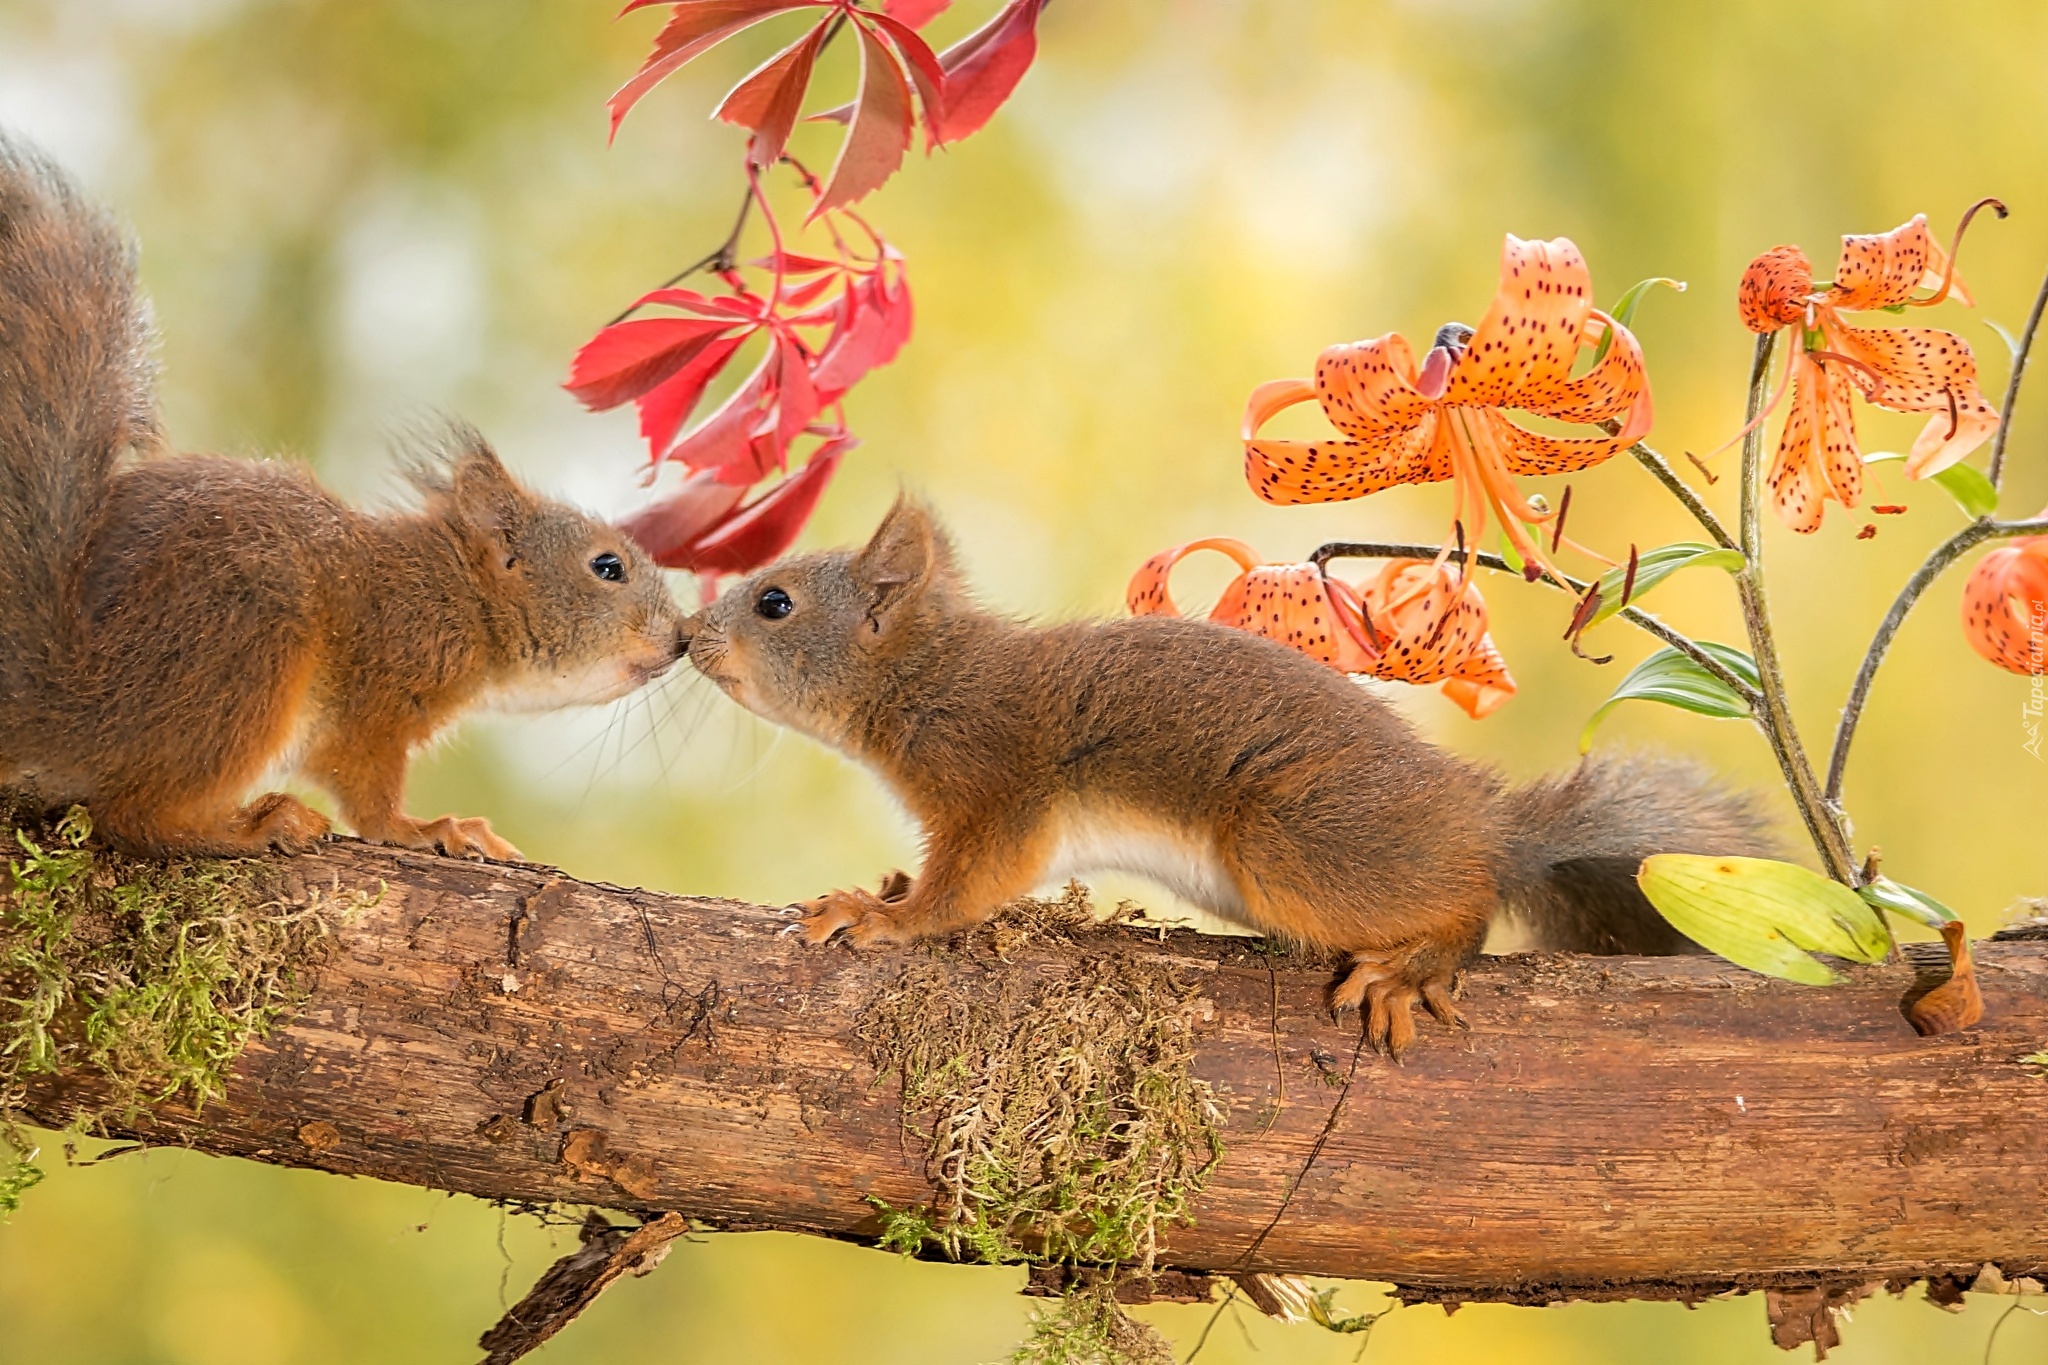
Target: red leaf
[
  {"x": 695, "y": 28},
  {"x": 627, "y": 359},
  {"x": 924, "y": 69},
  {"x": 880, "y": 133},
  {"x": 916, "y": 13},
  {"x": 769, "y": 100},
  {"x": 724, "y": 306},
  {"x": 666, "y": 528},
  {"x": 793, "y": 264},
  {"x": 765, "y": 528},
  {"x": 797, "y": 398},
  {"x": 720, "y": 440},
  {"x": 985, "y": 66},
  {"x": 665, "y": 408}
]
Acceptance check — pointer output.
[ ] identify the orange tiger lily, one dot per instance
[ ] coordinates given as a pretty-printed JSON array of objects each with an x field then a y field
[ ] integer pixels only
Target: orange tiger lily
[
  {"x": 1905, "y": 369},
  {"x": 1445, "y": 420},
  {"x": 2005, "y": 606},
  {"x": 1416, "y": 622}
]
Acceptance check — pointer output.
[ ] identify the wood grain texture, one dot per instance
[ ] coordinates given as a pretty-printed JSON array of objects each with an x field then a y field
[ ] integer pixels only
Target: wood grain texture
[{"x": 1607, "y": 1127}]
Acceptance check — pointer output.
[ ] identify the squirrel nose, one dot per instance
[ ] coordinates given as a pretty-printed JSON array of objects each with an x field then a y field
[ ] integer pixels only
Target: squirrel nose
[{"x": 686, "y": 631}]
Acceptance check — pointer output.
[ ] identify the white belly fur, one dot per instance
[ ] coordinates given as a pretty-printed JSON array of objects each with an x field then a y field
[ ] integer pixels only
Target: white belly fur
[{"x": 1114, "y": 840}]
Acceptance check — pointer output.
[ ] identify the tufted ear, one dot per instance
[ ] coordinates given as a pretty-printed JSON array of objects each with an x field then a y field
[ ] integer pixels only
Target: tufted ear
[
  {"x": 905, "y": 554},
  {"x": 487, "y": 500}
]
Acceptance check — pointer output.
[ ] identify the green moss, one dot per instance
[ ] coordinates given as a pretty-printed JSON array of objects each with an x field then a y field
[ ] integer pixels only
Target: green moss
[
  {"x": 1061, "y": 1117},
  {"x": 154, "y": 976},
  {"x": 1089, "y": 1327}
]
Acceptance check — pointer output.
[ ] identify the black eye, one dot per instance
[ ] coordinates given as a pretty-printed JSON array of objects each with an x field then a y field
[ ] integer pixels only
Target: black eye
[
  {"x": 609, "y": 567},
  {"x": 774, "y": 604}
]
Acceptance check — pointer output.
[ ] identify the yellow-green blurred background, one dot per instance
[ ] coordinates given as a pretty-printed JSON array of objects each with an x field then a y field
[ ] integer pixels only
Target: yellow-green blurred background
[{"x": 355, "y": 212}]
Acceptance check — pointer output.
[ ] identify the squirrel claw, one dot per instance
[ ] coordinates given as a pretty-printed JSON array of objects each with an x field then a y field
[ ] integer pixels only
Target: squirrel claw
[
  {"x": 1386, "y": 996},
  {"x": 863, "y": 916},
  {"x": 456, "y": 836}
]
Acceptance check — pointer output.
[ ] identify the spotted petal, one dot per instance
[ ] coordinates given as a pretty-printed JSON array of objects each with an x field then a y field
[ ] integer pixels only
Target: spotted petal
[
  {"x": 1922, "y": 369},
  {"x": 1817, "y": 454},
  {"x": 1531, "y": 332},
  {"x": 1147, "y": 594},
  {"x": 1482, "y": 684},
  {"x": 1368, "y": 387},
  {"x": 1291, "y": 604},
  {"x": 1619, "y": 386},
  {"x": 1433, "y": 627},
  {"x": 1293, "y": 472},
  {"x": 2005, "y": 606},
  {"x": 1774, "y": 289},
  {"x": 1882, "y": 270}
]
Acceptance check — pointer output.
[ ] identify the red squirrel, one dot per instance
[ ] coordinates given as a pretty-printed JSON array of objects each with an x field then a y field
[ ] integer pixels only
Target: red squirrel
[
  {"x": 175, "y": 627},
  {"x": 1257, "y": 783}
]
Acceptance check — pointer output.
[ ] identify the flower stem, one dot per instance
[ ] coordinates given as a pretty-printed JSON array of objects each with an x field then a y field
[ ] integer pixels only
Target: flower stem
[
  {"x": 1680, "y": 489},
  {"x": 1945, "y": 554},
  {"x": 1635, "y": 616},
  {"x": 1774, "y": 718},
  {"x": 2012, "y": 385}
]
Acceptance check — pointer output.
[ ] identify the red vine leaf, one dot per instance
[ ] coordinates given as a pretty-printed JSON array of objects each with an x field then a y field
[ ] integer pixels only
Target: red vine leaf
[
  {"x": 985, "y": 66},
  {"x": 665, "y": 408},
  {"x": 764, "y": 528},
  {"x": 915, "y": 13},
  {"x": 667, "y": 529},
  {"x": 769, "y": 100},
  {"x": 627, "y": 359},
  {"x": 695, "y": 28},
  {"x": 925, "y": 72},
  {"x": 880, "y": 132}
]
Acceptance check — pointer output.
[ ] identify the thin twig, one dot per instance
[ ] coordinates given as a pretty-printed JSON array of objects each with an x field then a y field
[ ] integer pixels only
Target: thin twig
[
  {"x": 1774, "y": 718},
  {"x": 720, "y": 261},
  {"x": 2012, "y": 385},
  {"x": 1635, "y": 616},
  {"x": 1944, "y": 555}
]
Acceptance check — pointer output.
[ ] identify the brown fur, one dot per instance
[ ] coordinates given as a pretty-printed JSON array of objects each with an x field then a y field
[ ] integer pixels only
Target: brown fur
[
  {"x": 1326, "y": 819},
  {"x": 174, "y": 629}
]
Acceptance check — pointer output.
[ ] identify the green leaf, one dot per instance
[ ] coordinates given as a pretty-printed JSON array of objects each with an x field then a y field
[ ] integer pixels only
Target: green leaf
[
  {"x": 1674, "y": 679},
  {"x": 1624, "y": 310},
  {"x": 1765, "y": 915},
  {"x": 1654, "y": 566},
  {"x": 1917, "y": 906},
  {"x": 2012, "y": 343},
  {"x": 1965, "y": 483}
]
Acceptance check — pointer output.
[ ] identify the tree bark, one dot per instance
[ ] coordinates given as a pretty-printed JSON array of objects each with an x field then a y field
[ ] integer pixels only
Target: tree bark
[{"x": 1608, "y": 1127}]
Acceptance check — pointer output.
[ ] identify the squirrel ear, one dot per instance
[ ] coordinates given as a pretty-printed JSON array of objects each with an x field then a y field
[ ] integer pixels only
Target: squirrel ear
[
  {"x": 898, "y": 558},
  {"x": 485, "y": 496}
]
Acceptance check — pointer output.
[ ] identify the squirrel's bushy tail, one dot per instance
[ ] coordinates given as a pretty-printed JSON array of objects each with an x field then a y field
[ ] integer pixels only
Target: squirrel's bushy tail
[
  {"x": 76, "y": 381},
  {"x": 1575, "y": 840}
]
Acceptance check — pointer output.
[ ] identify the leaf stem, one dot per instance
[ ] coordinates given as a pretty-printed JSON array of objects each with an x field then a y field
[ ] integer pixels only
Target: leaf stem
[
  {"x": 1680, "y": 489},
  {"x": 2012, "y": 385},
  {"x": 1945, "y": 554},
  {"x": 1635, "y": 616},
  {"x": 720, "y": 260},
  {"x": 1774, "y": 718}
]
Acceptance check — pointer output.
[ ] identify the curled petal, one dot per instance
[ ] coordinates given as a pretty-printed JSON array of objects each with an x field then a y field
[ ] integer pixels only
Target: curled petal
[
  {"x": 1817, "y": 455},
  {"x": 1532, "y": 330},
  {"x": 1922, "y": 369},
  {"x": 1774, "y": 289},
  {"x": 1482, "y": 684},
  {"x": 1293, "y": 472},
  {"x": 1432, "y": 623},
  {"x": 1292, "y": 605},
  {"x": 1368, "y": 388},
  {"x": 1619, "y": 386},
  {"x": 1147, "y": 594},
  {"x": 2005, "y": 607},
  {"x": 1881, "y": 270},
  {"x": 1272, "y": 397}
]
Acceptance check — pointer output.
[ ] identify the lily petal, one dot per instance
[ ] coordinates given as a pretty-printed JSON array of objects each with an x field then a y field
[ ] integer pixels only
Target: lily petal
[
  {"x": 1817, "y": 453},
  {"x": 1774, "y": 289},
  {"x": 1618, "y": 385},
  {"x": 1292, "y": 472},
  {"x": 1922, "y": 369},
  {"x": 1882, "y": 270},
  {"x": 1147, "y": 594},
  {"x": 2005, "y": 606},
  {"x": 1483, "y": 684},
  {"x": 1368, "y": 388},
  {"x": 1531, "y": 332},
  {"x": 1270, "y": 398}
]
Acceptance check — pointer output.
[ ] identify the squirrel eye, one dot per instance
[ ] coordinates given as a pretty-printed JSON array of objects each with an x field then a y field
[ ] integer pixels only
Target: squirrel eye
[
  {"x": 774, "y": 604},
  {"x": 609, "y": 567}
]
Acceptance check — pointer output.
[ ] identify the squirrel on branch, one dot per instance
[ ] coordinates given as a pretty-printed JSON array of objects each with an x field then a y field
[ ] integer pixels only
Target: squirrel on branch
[
  {"x": 1252, "y": 780},
  {"x": 173, "y": 628}
]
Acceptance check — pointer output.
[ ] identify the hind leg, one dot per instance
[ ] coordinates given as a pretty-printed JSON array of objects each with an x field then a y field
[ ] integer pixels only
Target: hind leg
[
  {"x": 212, "y": 829},
  {"x": 1386, "y": 984}
]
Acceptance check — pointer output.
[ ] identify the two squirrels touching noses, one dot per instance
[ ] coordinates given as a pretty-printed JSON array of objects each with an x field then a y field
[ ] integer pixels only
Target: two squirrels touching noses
[{"x": 176, "y": 627}]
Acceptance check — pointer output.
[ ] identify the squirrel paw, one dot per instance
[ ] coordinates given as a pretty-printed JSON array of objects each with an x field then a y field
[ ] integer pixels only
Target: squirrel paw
[
  {"x": 453, "y": 835},
  {"x": 863, "y": 916},
  {"x": 281, "y": 822},
  {"x": 1386, "y": 993}
]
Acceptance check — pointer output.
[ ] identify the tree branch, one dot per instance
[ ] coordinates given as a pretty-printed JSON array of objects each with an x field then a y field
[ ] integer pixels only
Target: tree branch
[{"x": 1608, "y": 1127}]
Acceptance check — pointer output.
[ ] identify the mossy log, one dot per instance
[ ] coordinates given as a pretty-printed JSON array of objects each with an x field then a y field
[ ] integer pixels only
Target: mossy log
[{"x": 1606, "y": 1128}]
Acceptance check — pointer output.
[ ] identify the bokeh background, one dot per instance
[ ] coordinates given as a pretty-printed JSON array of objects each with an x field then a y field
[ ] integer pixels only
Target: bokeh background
[{"x": 359, "y": 212}]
